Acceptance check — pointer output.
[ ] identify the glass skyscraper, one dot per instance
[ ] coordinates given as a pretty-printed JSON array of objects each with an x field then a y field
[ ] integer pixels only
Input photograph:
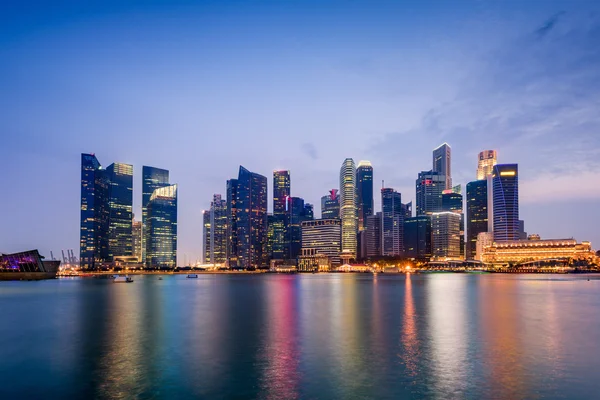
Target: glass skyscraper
[
  {"x": 161, "y": 251},
  {"x": 251, "y": 220},
  {"x": 152, "y": 179},
  {"x": 348, "y": 210},
  {"x": 442, "y": 163},
  {"x": 217, "y": 239},
  {"x": 392, "y": 229},
  {"x": 330, "y": 205},
  {"x": 206, "y": 228},
  {"x": 232, "y": 241},
  {"x": 417, "y": 237},
  {"x": 506, "y": 202},
  {"x": 280, "y": 222},
  {"x": 477, "y": 214},
  {"x": 364, "y": 192},
  {"x": 120, "y": 204},
  {"x": 485, "y": 164},
  {"x": 445, "y": 232},
  {"x": 429, "y": 188}
]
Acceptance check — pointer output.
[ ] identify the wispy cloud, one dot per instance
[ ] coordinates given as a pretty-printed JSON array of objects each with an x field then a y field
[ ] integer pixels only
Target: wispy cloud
[{"x": 310, "y": 150}]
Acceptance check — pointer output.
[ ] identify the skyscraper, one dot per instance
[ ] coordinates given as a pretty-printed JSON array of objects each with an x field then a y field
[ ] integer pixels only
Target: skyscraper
[
  {"x": 477, "y": 214},
  {"x": 152, "y": 179},
  {"x": 392, "y": 229},
  {"x": 251, "y": 220},
  {"x": 232, "y": 241},
  {"x": 417, "y": 237},
  {"x": 364, "y": 192},
  {"x": 445, "y": 228},
  {"x": 486, "y": 163},
  {"x": 330, "y": 205},
  {"x": 161, "y": 249},
  {"x": 429, "y": 188},
  {"x": 93, "y": 242},
  {"x": 373, "y": 236},
  {"x": 506, "y": 202},
  {"x": 280, "y": 222},
  {"x": 348, "y": 211},
  {"x": 206, "y": 228},
  {"x": 321, "y": 237},
  {"x": 442, "y": 163},
  {"x": 295, "y": 217},
  {"x": 120, "y": 205},
  {"x": 218, "y": 230},
  {"x": 137, "y": 239},
  {"x": 452, "y": 201}
]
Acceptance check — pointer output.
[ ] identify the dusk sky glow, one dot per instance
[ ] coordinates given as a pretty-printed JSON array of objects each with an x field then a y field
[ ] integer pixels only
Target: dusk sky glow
[{"x": 201, "y": 87}]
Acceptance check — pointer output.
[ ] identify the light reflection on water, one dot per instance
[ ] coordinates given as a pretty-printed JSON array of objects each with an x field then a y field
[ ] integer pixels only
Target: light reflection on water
[{"x": 302, "y": 336}]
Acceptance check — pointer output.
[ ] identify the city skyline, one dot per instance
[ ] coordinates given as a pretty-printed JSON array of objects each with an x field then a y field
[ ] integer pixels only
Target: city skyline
[{"x": 392, "y": 121}]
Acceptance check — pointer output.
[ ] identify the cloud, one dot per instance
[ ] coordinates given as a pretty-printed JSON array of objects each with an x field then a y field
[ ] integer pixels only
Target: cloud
[
  {"x": 548, "y": 25},
  {"x": 310, "y": 150}
]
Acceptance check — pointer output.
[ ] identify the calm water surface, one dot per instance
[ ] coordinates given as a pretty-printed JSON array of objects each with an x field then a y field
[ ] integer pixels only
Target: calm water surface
[{"x": 302, "y": 336}]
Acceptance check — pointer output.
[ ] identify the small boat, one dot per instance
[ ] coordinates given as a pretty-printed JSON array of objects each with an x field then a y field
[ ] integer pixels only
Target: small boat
[
  {"x": 160, "y": 278},
  {"x": 122, "y": 279},
  {"x": 192, "y": 276}
]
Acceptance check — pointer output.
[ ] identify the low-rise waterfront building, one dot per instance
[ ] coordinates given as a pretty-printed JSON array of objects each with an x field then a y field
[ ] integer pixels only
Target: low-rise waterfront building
[{"x": 522, "y": 251}]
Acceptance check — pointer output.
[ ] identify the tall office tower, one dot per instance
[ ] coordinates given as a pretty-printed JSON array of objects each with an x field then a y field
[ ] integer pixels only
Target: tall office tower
[
  {"x": 161, "y": 249},
  {"x": 445, "y": 232},
  {"x": 120, "y": 204},
  {"x": 296, "y": 215},
  {"x": 373, "y": 235},
  {"x": 232, "y": 239},
  {"x": 392, "y": 229},
  {"x": 429, "y": 188},
  {"x": 322, "y": 237},
  {"x": 152, "y": 179},
  {"x": 506, "y": 202},
  {"x": 477, "y": 214},
  {"x": 206, "y": 225},
  {"x": 407, "y": 209},
  {"x": 281, "y": 193},
  {"x": 330, "y": 205},
  {"x": 485, "y": 166},
  {"x": 137, "y": 239},
  {"x": 93, "y": 238},
  {"x": 218, "y": 230},
  {"x": 452, "y": 201},
  {"x": 522, "y": 232},
  {"x": 348, "y": 211},
  {"x": 364, "y": 192},
  {"x": 442, "y": 163},
  {"x": 270, "y": 234},
  {"x": 309, "y": 212},
  {"x": 252, "y": 220},
  {"x": 417, "y": 237}
]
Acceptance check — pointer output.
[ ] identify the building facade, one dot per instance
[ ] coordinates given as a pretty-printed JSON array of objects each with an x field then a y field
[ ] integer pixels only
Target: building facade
[
  {"x": 417, "y": 237},
  {"x": 348, "y": 209},
  {"x": 486, "y": 162},
  {"x": 137, "y": 239},
  {"x": 218, "y": 230},
  {"x": 506, "y": 202},
  {"x": 330, "y": 205},
  {"x": 206, "y": 228},
  {"x": 232, "y": 241},
  {"x": 392, "y": 223},
  {"x": 429, "y": 188},
  {"x": 520, "y": 251},
  {"x": 364, "y": 192},
  {"x": 120, "y": 205},
  {"x": 372, "y": 236},
  {"x": 445, "y": 232},
  {"x": 152, "y": 179},
  {"x": 477, "y": 215},
  {"x": 442, "y": 163},
  {"x": 251, "y": 220},
  {"x": 321, "y": 237},
  {"x": 161, "y": 249},
  {"x": 280, "y": 222},
  {"x": 93, "y": 233}
]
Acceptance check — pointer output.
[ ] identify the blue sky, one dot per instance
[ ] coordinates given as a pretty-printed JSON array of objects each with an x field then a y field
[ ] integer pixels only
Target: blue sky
[{"x": 201, "y": 87}]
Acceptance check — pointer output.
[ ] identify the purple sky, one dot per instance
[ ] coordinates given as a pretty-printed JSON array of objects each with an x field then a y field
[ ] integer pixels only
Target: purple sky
[{"x": 199, "y": 88}]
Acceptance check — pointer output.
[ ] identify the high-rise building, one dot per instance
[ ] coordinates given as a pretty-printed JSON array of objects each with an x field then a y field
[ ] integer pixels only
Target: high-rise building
[
  {"x": 429, "y": 188},
  {"x": 93, "y": 238},
  {"x": 232, "y": 238},
  {"x": 348, "y": 211},
  {"x": 251, "y": 220},
  {"x": 445, "y": 232},
  {"x": 372, "y": 236},
  {"x": 506, "y": 202},
  {"x": 120, "y": 205},
  {"x": 522, "y": 232},
  {"x": 206, "y": 234},
  {"x": 407, "y": 209},
  {"x": 364, "y": 192},
  {"x": 477, "y": 214},
  {"x": 270, "y": 234},
  {"x": 486, "y": 163},
  {"x": 296, "y": 215},
  {"x": 330, "y": 205},
  {"x": 137, "y": 239},
  {"x": 309, "y": 212},
  {"x": 417, "y": 237},
  {"x": 392, "y": 229},
  {"x": 484, "y": 241},
  {"x": 218, "y": 230},
  {"x": 161, "y": 249},
  {"x": 321, "y": 237},
  {"x": 442, "y": 163},
  {"x": 452, "y": 201},
  {"x": 152, "y": 179},
  {"x": 281, "y": 193}
]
